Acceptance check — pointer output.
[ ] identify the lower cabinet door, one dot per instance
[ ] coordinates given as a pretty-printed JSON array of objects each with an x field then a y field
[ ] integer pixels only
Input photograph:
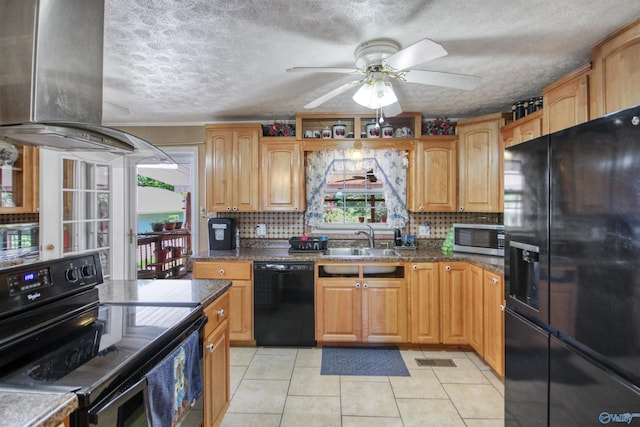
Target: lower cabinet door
[
  {"x": 216, "y": 374},
  {"x": 338, "y": 310},
  {"x": 384, "y": 311}
]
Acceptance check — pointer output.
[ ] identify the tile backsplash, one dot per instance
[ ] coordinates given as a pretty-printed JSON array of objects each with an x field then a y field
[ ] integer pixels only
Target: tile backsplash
[{"x": 283, "y": 225}]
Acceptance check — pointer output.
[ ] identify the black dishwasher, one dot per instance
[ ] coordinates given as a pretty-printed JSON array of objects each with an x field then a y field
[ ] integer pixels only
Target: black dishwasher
[{"x": 283, "y": 301}]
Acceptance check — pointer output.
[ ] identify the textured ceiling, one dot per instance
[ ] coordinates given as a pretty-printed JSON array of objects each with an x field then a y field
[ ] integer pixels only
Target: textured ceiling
[{"x": 201, "y": 61}]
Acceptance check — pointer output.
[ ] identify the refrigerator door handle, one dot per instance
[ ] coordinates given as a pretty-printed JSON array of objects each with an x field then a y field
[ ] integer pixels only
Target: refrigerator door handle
[{"x": 524, "y": 246}]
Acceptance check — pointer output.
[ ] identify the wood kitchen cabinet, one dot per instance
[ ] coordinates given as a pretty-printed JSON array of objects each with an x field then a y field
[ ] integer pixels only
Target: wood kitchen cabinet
[
  {"x": 453, "y": 302},
  {"x": 433, "y": 175},
  {"x": 216, "y": 362},
  {"x": 282, "y": 175},
  {"x": 566, "y": 101},
  {"x": 357, "y": 306},
  {"x": 424, "y": 285},
  {"x": 525, "y": 129},
  {"x": 480, "y": 168},
  {"x": 240, "y": 294},
  {"x": 615, "y": 82},
  {"x": 475, "y": 305},
  {"x": 493, "y": 314},
  {"x": 19, "y": 181},
  {"x": 232, "y": 167}
]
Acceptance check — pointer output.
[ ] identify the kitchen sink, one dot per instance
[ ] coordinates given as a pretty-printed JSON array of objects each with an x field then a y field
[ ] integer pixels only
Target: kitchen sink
[{"x": 360, "y": 252}]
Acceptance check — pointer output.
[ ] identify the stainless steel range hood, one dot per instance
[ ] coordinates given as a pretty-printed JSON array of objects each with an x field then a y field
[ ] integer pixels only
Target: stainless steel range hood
[{"x": 51, "y": 79}]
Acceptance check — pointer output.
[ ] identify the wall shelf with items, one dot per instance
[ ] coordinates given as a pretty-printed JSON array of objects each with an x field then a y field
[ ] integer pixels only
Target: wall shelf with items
[{"x": 404, "y": 127}]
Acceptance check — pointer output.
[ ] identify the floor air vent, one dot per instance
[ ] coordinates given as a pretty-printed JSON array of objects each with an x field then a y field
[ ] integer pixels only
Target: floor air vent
[{"x": 435, "y": 362}]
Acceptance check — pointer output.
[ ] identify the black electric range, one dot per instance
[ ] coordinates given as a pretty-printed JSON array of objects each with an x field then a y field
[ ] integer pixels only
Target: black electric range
[{"x": 55, "y": 335}]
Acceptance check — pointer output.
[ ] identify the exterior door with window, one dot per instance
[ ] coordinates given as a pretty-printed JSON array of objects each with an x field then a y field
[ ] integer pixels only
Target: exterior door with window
[{"x": 84, "y": 207}]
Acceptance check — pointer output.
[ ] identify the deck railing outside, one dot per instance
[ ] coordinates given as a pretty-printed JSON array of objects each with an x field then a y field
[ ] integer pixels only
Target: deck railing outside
[{"x": 163, "y": 254}]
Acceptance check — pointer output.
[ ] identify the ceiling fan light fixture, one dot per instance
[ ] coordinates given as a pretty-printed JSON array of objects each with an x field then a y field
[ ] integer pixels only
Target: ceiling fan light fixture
[{"x": 375, "y": 93}]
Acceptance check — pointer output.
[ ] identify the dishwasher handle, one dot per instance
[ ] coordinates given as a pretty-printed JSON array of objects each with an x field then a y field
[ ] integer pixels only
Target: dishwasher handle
[{"x": 280, "y": 266}]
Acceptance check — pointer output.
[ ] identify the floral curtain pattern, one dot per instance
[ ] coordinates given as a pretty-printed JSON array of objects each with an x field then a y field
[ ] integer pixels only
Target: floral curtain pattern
[{"x": 388, "y": 165}]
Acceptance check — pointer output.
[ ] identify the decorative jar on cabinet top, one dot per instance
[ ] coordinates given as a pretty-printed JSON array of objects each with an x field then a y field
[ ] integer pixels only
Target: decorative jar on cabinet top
[
  {"x": 339, "y": 130},
  {"x": 373, "y": 129},
  {"x": 387, "y": 131}
]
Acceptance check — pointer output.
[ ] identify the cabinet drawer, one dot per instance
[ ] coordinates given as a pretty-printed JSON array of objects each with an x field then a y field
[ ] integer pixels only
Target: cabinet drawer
[
  {"x": 216, "y": 313},
  {"x": 222, "y": 270}
]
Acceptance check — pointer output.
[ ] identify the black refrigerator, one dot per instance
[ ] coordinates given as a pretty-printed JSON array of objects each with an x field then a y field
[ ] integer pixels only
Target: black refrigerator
[{"x": 572, "y": 276}]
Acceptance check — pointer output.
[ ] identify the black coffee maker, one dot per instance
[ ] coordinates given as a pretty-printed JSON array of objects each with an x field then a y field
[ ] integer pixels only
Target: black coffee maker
[{"x": 222, "y": 234}]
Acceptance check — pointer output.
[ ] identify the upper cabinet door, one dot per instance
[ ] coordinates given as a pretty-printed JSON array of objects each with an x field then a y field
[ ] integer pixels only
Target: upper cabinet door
[
  {"x": 480, "y": 164},
  {"x": 566, "y": 102},
  {"x": 19, "y": 176},
  {"x": 282, "y": 176},
  {"x": 616, "y": 71},
  {"x": 232, "y": 168},
  {"x": 434, "y": 180}
]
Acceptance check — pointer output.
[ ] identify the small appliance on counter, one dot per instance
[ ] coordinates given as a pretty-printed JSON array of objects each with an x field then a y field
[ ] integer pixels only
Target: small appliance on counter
[
  {"x": 484, "y": 239},
  {"x": 222, "y": 234}
]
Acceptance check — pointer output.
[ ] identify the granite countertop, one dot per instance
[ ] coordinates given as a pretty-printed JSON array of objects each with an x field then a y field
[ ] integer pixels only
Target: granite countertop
[
  {"x": 23, "y": 409},
  {"x": 20, "y": 408},
  {"x": 178, "y": 292},
  {"x": 491, "y": 263}
]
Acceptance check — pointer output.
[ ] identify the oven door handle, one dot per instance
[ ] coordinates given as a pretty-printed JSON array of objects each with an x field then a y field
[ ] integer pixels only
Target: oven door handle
[{"x": 112, "y": 405}]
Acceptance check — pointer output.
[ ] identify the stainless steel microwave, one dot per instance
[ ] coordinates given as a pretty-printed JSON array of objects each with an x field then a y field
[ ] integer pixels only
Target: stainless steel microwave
[{"x": 485, "y": 239}]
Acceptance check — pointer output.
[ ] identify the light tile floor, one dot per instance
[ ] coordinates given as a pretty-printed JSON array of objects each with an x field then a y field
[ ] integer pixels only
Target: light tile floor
[{"x": 283, "y": 387}]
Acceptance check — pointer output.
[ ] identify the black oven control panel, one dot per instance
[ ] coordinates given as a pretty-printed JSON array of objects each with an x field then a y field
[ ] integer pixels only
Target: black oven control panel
[
  {"x": 24, "y": 285},
  {"x": 29, "y": 280}
]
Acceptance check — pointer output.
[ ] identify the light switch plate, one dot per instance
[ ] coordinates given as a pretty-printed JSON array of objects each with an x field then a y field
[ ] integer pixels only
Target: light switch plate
[{"x": 261, "y": 229}]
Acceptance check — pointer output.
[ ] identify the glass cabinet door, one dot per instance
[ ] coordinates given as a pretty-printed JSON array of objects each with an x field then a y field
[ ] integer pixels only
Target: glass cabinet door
[{"x": 18, "y": 178}]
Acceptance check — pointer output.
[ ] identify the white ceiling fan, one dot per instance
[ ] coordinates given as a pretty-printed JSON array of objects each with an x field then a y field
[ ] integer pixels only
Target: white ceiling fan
[{"x": 382, "y": 60}]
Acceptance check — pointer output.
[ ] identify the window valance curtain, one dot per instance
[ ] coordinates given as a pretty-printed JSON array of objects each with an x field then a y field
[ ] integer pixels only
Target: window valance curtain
[{"x": 388, "y": 165}]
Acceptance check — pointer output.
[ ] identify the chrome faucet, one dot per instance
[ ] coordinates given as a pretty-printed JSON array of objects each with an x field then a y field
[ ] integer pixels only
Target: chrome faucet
[{"x": 371, "y": 236}]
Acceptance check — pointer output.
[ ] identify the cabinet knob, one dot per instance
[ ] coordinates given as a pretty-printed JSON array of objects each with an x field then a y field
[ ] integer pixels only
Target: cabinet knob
[
  {"x": 415, "y": 266},
  {"x": 494, "y": 280},
  {"x": 221, "y": 272},
  {"x": 461, "y": 208},
  {"x": 235, "y": 208},
  {"x": 210, "y": 348},
  {"x": 358, "y": 285},
  {"x": 221, "y": 312},
  {"x": 447, "y": 267},
  {"x": 502, "y": 307},
  {"x": 421, "y": 208},
  {"x": 228, "y": 208},
  {"x": 366, "y": 285}
]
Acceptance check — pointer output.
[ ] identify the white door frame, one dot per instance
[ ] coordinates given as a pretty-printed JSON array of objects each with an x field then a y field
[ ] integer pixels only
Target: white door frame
[{"x": 181, "y": 154}]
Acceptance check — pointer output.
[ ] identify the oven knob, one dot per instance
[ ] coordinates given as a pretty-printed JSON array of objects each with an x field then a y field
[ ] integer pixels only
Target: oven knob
[
  {"x": 87, "y": 271},
  {"x": 72, "y": 274}
]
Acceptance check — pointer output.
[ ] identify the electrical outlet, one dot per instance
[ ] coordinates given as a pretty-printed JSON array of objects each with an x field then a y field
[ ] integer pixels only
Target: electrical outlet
[
  {"x": 261, "y": 229},
  {"x": 425, "y": 230}
]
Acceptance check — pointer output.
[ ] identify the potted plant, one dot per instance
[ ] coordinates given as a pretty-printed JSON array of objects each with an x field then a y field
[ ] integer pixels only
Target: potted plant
[
  {"x": 161, "y": 255},
  {"x": 170, "y": 222},
  {"x": 157, "y": 226},
  {"x": 176, "y": 251}
]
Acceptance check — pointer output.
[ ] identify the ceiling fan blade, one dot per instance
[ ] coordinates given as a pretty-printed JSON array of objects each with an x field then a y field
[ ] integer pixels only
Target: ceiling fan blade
[
  {"x": 436, "y": 78},
  {"x": 323, "y": 70},
  {"x": 418, "y": 53},
  {"x": 327, "y": 96},
  {"x": 392, "y": 110}
]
